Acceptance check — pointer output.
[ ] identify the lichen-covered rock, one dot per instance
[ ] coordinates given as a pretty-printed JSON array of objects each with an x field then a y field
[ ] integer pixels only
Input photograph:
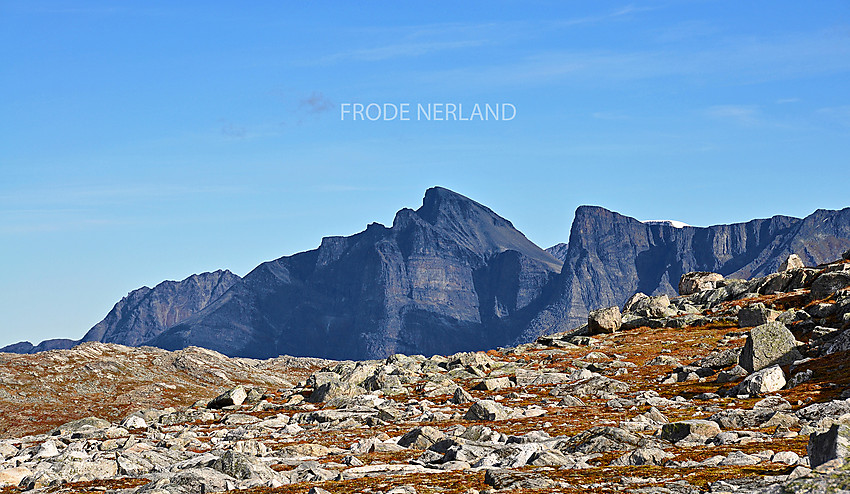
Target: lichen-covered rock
[
  {"x": 691, "y": 430},
  {"x": 421, "y": 438},
  {"x": 829, "y": 445},
  {"x": 698, "y": 281},
  {"x": 510, "y": 479},
  {"x": 487, "y": 410},
  {"x": 793, "y": 262},
  {"x": 765, "y": 381},
  {"x": 232, "y": 397},
  {"x": 768, "y": 344},
  {"x": 756, "y": 315},
  {"x": 605, "y": 320},
  {"x": 829, "y": 283}
]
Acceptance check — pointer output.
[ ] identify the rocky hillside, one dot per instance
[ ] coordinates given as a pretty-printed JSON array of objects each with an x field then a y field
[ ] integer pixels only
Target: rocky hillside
[{"x": 736, "y": 385}]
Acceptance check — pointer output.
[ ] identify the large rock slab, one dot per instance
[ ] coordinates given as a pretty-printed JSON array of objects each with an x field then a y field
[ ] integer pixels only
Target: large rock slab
[
  {"x": 421, "y": 438},
  {"x": 510, "y": 479},
  {"x": 829, "y": 283},
  {"x": 231, "y": 397},
  {"x": 829, "y": 445},
  {"x": 768, "y": 344}
]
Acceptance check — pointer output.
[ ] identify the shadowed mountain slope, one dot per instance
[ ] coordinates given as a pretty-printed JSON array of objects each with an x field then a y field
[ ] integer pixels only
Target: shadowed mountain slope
[{"x": 449, "y": 276}]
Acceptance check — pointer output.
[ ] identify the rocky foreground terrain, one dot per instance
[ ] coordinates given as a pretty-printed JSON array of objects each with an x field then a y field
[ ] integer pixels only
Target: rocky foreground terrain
[{"x": 734, "y": 386}]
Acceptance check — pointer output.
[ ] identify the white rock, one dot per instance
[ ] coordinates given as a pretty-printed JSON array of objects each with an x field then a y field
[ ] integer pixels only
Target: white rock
[
  {"x": 134, "y": 422},
  {"x": 765, "y": 381}
]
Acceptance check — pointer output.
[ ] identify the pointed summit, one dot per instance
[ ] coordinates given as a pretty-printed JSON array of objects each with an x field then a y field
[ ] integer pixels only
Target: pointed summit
[{"x": 441, "y": 204}]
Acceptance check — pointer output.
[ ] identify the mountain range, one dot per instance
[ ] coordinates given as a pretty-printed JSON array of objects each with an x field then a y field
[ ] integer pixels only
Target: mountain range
[{"x": 449, "y": 276}]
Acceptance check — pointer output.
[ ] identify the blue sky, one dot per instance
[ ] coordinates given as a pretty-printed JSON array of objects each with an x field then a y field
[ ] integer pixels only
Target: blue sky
[{"x": 144, "y": 141}]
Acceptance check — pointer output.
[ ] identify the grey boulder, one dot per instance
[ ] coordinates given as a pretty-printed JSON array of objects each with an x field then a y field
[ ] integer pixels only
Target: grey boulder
[
  {"x": 605, "y": 320},
  {"x": 768, "y": 344}
]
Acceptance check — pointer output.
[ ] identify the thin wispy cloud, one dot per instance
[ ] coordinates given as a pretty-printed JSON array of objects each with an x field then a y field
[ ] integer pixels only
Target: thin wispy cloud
[
  {"x": 72, "y": 196},
  {"x": 741, "y": 114},
  {"x": 836, "y": 114},
  {"x": 402, "y": 50},
  {"x": 607, "y": 115},
  {"x": 744, "y": 60}
]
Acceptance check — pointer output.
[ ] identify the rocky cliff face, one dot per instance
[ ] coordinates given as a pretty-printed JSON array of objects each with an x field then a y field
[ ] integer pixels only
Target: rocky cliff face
[
  {"x": 610, "y": 257},
  {"x": 147, "y": 312},
  {"x": 558, "y": 251},
  {"x": 449, "y": 276}
]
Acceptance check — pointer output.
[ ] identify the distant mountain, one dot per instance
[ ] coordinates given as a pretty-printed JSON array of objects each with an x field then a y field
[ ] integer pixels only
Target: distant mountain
[
  {"x": 146, "y": 312},
  {"x": 611, "y": 256},
  {"x": 558, "y": 251},
  {"x": 449, "y": 276},
  {"x": 27, "y": 347}
]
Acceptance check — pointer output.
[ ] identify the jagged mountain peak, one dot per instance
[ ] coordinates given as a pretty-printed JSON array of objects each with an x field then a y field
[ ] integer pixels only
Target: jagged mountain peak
[{"x": 441, "y": 204}]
